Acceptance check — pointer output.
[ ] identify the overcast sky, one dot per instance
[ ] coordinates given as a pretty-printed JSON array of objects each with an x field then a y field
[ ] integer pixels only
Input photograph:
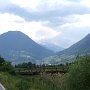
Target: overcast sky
[{"x": 60, "y": 22}]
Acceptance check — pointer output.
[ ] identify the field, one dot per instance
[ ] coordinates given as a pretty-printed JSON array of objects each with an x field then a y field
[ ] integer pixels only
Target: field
[
  {"x": 18, "y": 82},
  {"x": 74, "y": 76}
]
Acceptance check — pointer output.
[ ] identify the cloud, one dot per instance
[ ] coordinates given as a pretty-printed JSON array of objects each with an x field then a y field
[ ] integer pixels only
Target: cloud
[
  {"x": 62, "y": 22},
  {"x": 27, "y": 4},
  {"x": 81, "y": 21},
  {"x": 72, "y": 30},
  {"x": 40, "y": 5},
  {"x": 53, "y": 12},
  {"x": 6, "y": 17},
  {"x": 36, "y": 30},
  {"x": 86, "y": 3}
]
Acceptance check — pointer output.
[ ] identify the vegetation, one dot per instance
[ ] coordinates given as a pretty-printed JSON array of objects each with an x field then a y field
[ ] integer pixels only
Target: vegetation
[
  {"x": 78, "y": 77},
  {"x": 6, "y": 66},
  {"x": 75, "y": 76},
  {"x": 23, "y": 82},
  {"x": 26, "y": 83}
]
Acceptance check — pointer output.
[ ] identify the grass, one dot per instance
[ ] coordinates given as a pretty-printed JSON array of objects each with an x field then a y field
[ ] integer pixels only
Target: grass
[
  {"x": 76, "y": 78},
  {"x": 18, "y": 82}
]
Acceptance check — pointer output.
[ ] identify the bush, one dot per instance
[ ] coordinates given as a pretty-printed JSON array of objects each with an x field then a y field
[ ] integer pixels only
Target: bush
[
  {"x": 78, "y": 77},
  {"x": 6, "y": 66}
]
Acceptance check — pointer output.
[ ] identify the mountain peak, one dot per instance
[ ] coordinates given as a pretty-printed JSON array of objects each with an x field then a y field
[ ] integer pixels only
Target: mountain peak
[
  {"x": 14, "y": 32},
  {"x": 21, "y": 45}
]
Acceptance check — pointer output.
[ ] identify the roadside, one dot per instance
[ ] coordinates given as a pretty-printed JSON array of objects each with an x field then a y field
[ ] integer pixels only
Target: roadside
[{"x": 1, "y": 87}]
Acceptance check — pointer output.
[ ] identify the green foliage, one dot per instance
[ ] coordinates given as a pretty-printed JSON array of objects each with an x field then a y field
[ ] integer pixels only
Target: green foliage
[
  {"x": 78, "y": 77},
  {"x": 2, "y": 61},
  {"x": 11, "y": 82},
  {"x": 23, "y": 85},
  {"x": 6, "y": 66},
  {"x": 26, "y": 65}
]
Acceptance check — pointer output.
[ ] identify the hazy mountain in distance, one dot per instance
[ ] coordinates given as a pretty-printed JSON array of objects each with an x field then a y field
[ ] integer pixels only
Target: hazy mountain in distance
[
  {"x": 82, "y": 47},
  {"x": 18, "y": 47},
  {"x": 53, "y": 47}
]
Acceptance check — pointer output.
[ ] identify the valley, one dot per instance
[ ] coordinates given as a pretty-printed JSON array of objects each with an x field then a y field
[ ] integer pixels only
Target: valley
[
  {"x": 17, "y": 47},
  {"x": 26, "y": 65},
  {"x": 44, "y": 44}
]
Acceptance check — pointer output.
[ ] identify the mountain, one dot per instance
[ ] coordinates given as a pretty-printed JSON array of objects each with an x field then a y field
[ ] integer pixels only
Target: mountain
[
  {"x": 52, "y": 47},
  {"x": 80, "y": 48},
  {"x": 18, "y": 47}
]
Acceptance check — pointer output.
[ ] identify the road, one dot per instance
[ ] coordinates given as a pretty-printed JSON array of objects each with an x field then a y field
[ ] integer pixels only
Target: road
[{"x": 1, "y": 87}]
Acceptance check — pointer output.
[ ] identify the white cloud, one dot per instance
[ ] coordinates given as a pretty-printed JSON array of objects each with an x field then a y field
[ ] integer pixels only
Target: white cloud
[
  {"x": 74, "y": 31},
  {"x": 40, "y": 5},
  {"x": 27, "y": 4},
  {"x": 71, "y": 29},
  {"x": 81, "y": 21},
  {"x": 64, "y": 35},
  {"x": 6, "y": 17},
  {"x": 36, "y": 30},
  {"x": 85, "y": 3}
]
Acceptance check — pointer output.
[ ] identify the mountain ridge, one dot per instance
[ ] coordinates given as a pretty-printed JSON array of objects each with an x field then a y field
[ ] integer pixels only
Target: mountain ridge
[
  {"x": 19, "y": 44},
  {"x": 80, "y": 48}
]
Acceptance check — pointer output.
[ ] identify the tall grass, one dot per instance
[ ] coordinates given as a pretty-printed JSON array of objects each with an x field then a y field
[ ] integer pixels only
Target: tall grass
[{"x": 27, "y": 82}]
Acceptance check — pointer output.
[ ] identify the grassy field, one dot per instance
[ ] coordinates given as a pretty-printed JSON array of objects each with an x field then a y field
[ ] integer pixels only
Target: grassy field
[
  {"x": 74, "y": 77},
  {"x": 18, "y": 82}
]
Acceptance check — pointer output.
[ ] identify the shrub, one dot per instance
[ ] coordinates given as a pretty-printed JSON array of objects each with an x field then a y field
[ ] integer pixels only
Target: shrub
[
  {"x": 6, "y": 66},
  {"x": 78, "y": 77}
]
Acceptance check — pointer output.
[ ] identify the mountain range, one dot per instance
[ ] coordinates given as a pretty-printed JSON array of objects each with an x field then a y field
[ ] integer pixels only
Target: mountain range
[
  {"x": 17, "y": 47},
  {"x": 82, "y": 47}
]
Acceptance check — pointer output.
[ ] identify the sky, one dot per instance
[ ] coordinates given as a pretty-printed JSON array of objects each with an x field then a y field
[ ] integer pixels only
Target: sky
[{"x": 59, "y": 22}]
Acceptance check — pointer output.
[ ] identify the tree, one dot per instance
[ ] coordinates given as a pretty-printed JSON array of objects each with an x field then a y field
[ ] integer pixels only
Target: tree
[
  {"x": 6, "y": 66},
  {"x": 2, "y": 61}
]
